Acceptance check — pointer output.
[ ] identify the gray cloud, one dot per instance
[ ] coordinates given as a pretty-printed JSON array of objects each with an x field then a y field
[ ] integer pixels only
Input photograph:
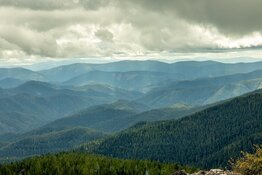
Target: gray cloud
[
  {"x": 28, "y": 41},
  {"x": 234, "y": 16},
  {"x": 105, "y": 35},
  {"x": 70, "y": 28},
  {"x": 55, "y": 4}
]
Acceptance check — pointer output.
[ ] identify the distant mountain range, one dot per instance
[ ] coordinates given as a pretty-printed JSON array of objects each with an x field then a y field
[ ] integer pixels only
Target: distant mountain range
[
  {"x": 180, "y": 71},
  {"x": 187, "y": 112},
  {"x": 36, "y": 98},
  {"x": 203, "y": 91},
  {"x": 33, "y": 103}
]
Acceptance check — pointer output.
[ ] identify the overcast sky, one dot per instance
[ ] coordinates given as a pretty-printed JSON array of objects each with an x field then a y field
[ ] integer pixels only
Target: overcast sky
[{"x": 38, "y": 30}]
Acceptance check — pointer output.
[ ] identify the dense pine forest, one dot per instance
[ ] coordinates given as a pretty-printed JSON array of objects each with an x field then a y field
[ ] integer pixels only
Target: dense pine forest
[
  {"x": 80, "y": 163},
  {"x": 205, "y": 139}
]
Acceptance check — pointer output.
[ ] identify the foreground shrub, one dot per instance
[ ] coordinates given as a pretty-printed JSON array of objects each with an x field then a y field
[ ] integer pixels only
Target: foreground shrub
[{"x": 249, "y": 164}]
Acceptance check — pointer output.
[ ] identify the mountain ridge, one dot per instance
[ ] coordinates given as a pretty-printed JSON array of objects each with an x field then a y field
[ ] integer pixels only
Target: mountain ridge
[{"x": 201, "y": 139}]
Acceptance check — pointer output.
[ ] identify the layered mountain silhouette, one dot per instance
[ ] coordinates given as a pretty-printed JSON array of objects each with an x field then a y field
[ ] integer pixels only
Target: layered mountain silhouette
[
  {"x": 193, "y": 113},
  {"x": 35, "y": 103}
]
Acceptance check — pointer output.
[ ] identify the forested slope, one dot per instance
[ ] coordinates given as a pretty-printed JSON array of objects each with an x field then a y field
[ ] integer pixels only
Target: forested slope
[
  {"x": 79, "y": 163},
  {"x": 206, "y": 139},
  {"x": 50, "y": 142}
]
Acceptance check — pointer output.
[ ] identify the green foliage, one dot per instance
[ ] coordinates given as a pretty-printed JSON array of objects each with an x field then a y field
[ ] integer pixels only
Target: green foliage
[
  {"x": 79, "y": 163},
  {"x": 249, "y": 164},
  {"x": 207, "y": 139}
]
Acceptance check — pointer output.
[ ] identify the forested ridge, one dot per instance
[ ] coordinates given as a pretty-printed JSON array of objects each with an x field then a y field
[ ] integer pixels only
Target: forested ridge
[
  {"x": 206, "y": 139},
  {"x": 51, "y": 142},
  {"x": 80, "y": 163}
]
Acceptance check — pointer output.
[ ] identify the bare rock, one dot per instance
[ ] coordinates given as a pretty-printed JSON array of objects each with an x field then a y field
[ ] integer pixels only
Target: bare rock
[
  {"x": 210, "y": 172},
  {"x": 179, "y": 173},
  {"x": 200, "y": 173},
  {"x": 214, "y": 172}
]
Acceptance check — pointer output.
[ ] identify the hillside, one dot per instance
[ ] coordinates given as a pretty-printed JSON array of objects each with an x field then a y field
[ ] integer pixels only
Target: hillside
[
  {"x": 10, "y": 83},
  {"x": 20, "y": 73},
  {"x": 79, "y": 163},
  {"x": 22, "y": 112},
  {"x": 106, "y": 118},
  {"x": 134, "y": 80},
  {"x": 206, "y": 139},
  {"x": 100, "y": 91},
  {"x": 56, "y": 141},
  {"x": 203, "y": 91},
  {"x": 117, "y": 116},
  {"x": 174, "y": 112},
  {"x": 34, "y": 103}
]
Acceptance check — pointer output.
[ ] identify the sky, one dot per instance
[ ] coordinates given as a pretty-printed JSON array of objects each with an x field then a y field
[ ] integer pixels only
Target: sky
[{"x": 34, "y": 31}]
